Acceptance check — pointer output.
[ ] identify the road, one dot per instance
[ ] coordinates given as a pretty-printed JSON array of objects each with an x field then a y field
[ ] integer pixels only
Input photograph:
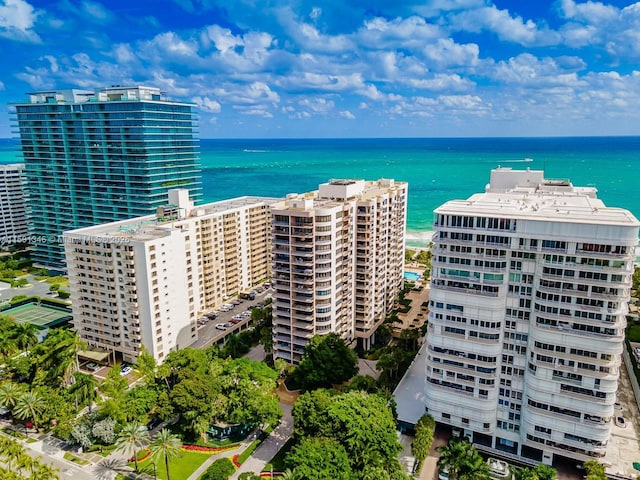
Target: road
[{"x": 37, "y": 288}]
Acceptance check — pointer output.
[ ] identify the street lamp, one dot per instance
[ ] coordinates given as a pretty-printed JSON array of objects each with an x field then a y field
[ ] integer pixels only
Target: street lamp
[{"x": 155, "y": 477}]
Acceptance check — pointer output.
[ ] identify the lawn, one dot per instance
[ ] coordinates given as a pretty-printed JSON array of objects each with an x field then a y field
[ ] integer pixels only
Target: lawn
[
  {"x": 633, "y": 334},
  {"x": 180, "y": 467}
]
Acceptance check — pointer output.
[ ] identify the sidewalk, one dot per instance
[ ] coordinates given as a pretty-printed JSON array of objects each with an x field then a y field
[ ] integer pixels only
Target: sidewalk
[
  {"x": 270, "y": 446},
  {"x": 207, "y": 463}
]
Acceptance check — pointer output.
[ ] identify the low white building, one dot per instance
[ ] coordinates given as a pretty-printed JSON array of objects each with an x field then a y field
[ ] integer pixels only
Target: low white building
[
  {"x": 529, "y": 292},
  {"x": 146, "y": 280}
]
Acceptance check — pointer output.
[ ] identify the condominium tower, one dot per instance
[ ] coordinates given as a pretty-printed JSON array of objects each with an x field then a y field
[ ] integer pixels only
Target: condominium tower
[
  {"x": 96, "y": 157},
  {"x": 13, "y": 214},
  {"x": 529, "y": 292},
  {"x": 145, "y": 281},
  {"x": 338, "y": 256}
]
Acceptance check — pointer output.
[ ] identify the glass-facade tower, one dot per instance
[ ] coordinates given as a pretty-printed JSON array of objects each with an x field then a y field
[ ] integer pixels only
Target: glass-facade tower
[{"x": 96, "y": 157}]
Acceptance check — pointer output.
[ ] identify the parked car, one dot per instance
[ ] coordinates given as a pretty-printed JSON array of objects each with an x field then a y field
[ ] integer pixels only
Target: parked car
[
  {"x": 443, "y": 474},
  {"x": 125, "y": 370},
  {"x": 221, "y": 326},
  {"x": 620, "y": 422},
  {"x": 92, "y": 367}
]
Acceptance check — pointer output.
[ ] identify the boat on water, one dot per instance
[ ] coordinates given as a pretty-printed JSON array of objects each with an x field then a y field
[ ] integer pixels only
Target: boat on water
[{"x": 498, "y": 468}]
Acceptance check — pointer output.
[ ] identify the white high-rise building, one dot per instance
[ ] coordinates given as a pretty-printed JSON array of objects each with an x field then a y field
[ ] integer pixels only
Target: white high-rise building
[
  {"x": 145, "y": 281},
  {"x": 529, "y": 292},
  {"x": 13, "y": 214},
  {"x": 338, "y": 257}
]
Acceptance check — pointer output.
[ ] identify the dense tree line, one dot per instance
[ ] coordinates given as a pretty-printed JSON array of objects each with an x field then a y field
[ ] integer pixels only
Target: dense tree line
[
  {"x": 42, "y": 387},
  {"x": 349, "y": 436}
]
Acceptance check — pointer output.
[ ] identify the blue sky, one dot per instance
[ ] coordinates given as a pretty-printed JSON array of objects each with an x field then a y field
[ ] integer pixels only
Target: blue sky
[{"x": 345, "y": 68}]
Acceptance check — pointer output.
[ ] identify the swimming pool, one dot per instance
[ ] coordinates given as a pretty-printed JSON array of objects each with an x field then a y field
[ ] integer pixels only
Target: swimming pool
[{"x": 411, "y": 276}]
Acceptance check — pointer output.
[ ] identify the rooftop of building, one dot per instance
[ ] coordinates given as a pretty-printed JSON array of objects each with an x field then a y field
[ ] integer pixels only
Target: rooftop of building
[
  {"x": 336, "y": 191},
  {"x": 527, "y": 194},
  {"x": 159, "y": 225},
  {"x": 114, "y": 93},
  {"x": 12, "y": 166}
]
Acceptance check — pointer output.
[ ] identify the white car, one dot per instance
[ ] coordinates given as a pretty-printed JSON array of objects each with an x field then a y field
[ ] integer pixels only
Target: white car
[
  {"x": 221, "y": 326},
  {"x": 125, "y": 370}
]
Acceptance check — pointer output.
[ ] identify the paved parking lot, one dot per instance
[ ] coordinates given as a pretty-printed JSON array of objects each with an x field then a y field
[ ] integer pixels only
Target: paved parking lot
[{"x": 208, "y": 334}]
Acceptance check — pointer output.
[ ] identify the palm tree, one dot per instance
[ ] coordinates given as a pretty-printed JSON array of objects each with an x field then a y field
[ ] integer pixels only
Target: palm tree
[
  {"x": 29, "y": 405},
  {"x": 58, "y": 355},
  {"x": 25, "y": 463},
  {"x": 11, "y": 452},
  {"x": 45, "y": 472},
  {"x": 167, "y": 445},
  {"x": 9, "y": 394},
  {"x": 25, "y": 335},
  {"x": 452, "y": 456},
  {"x": 474, "y": 467},
  {"x": 7, "y": 346},
  {"x": 132, "y": 438},
  {"x": 84, "y": 388}
]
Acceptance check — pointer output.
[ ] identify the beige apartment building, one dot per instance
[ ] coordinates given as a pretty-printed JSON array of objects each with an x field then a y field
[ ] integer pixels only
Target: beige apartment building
[
  {"x": 338, "y": 256},
  {"x": 146, "y": 280}
]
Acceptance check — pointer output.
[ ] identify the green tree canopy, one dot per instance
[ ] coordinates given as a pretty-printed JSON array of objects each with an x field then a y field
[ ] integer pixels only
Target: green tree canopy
[
  {"x": 25, "y": 335},
  {"x": 463, "y": 461},
  {"x": 425, "y": 428},
  {"x": 362, "y": 423},
  {"x": 319, "y": 459},
  {"x": 233, "y": 390},
  {"x": 310, "y": 413},
  {"x": 327, "y": 361},
  {"x": 595, "y": 470}
]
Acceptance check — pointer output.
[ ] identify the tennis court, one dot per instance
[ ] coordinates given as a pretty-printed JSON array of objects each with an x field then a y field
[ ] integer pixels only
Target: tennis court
[{"x": 39, "y": 315}]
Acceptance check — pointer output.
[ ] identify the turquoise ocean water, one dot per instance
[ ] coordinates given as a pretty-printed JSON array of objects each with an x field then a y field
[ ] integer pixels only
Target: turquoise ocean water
[{"x": 437, "y": 169}]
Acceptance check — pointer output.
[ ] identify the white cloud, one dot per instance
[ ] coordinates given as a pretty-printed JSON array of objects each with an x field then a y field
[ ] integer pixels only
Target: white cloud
[
  {"x": 407, "y": 33},
  {"x": 17, "y": 19},
  {"x": 168, "y": 46},
  {"x": 317, "y": 105},
  {"x": 442, "y": 81},
  {"x": 2, "y": 87},
  {"x": 308, "y": 37},
  {"x": 526, "y": 69},
  {"x": 256, "y": 111},
  {"x": 347, "y": 114},
  {"x": 53, "y": 62},
  {"x": 588, "y": 12},
  {"x": 446, "y": 52},
  {"x": 207, "y": 105},
  {"x": 96, "y": 12},
  {"x": 506, "y": 27},
  {"x": 124, "y": 54}
]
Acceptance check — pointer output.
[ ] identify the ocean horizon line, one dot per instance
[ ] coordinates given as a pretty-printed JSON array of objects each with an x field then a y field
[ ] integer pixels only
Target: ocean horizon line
[{"x": 452, "y": 137}]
